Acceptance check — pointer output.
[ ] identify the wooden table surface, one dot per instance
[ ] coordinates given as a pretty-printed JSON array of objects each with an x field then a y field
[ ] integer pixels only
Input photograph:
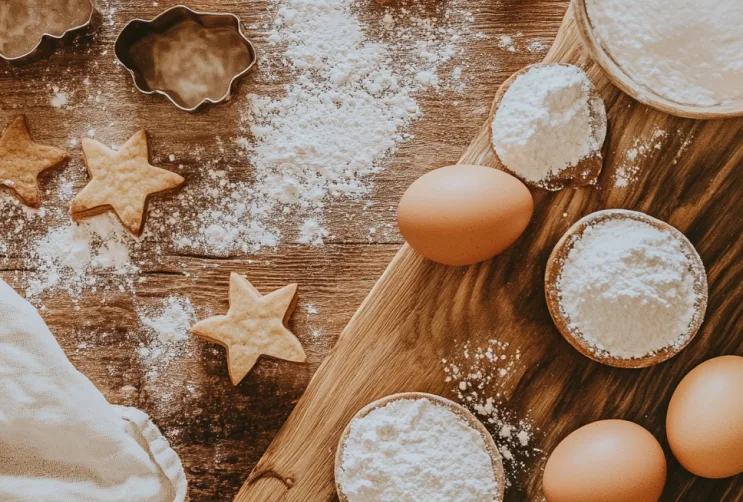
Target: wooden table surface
[{"x": 221, "y": 431}]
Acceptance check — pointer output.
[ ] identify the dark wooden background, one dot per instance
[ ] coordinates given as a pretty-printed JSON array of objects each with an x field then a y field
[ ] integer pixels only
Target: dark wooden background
[{"x": 221, "y": 431}]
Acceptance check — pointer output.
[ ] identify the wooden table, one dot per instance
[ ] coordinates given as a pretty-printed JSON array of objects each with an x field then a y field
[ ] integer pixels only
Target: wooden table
[{"x": 221, "y": 431}]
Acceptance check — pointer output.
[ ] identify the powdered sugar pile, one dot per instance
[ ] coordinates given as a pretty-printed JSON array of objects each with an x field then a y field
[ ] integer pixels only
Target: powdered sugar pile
[
  {"x": 628, "y": 288},
  {"x": 345, "y": 110},
  {"x": 413, "y": 450},
  {"x": 547, "y": 122},
  {"x": 478, "y": 374}
]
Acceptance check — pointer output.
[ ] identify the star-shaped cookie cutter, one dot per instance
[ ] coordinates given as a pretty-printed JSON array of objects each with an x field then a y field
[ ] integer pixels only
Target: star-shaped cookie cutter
[
  {"x": 49, "y": 42},
  {"x": 138, "y": 29}
]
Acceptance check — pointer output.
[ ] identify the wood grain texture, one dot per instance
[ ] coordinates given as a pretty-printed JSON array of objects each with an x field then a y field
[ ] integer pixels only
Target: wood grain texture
[
  {"x": 221, "y": 431},
  {"x": 396, "y": 340}
]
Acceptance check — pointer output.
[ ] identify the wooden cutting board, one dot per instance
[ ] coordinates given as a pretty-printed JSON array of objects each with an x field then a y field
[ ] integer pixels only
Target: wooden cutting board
[{"x": 419, "y": 312}]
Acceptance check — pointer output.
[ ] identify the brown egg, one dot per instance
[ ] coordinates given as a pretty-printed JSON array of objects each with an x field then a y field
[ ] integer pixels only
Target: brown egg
[
  {"x": 610, "y": 461},
  {"x": 459, "y": 215},
  {"x": 705, "y": 419}
]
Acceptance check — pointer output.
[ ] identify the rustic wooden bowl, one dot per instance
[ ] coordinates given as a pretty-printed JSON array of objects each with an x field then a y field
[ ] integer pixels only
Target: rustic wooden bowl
[
  {"x": 587, "y": 170},
  {"x": 641, "y": 93},
  {"x": 554, "y": 270},
  {"x": 459, "y": 410}
]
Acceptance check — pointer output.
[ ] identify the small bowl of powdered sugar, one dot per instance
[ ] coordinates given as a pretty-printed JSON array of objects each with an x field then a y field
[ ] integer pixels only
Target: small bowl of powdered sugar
[
  {"x": 549, "y": 126},
  {"x": 626, "y": 289},
  {"x": 413, "y": 446}
]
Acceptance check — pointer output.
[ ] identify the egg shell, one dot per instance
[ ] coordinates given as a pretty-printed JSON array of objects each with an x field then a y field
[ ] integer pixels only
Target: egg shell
[
  {"x": 464, "y": 214},
  {"x": 705, "y": 419},
  {"x": 610, "y": 461}
]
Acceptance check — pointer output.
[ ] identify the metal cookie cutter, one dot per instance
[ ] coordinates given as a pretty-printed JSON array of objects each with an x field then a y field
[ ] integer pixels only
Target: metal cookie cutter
[
  {"x": 16, "y": 20},
  {"x": 156, "y": 54}
]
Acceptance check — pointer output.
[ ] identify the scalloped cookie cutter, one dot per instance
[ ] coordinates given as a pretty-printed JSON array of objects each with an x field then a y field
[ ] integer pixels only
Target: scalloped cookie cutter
[
  {"x": 158, "y": 56},
  {"x": 82, "y": 15}
]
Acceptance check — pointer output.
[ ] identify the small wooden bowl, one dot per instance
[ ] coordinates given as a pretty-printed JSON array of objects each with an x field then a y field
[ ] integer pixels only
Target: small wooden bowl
[
  {"x": 554, "y": 270},
  {"x": 459, "y": 410},
  {"x": 643, "y": 94},
  {"x": 587, "y": 170}
]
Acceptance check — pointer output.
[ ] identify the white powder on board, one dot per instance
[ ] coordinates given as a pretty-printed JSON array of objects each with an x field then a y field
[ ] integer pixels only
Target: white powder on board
[
  {"x": 68, "y": 254},
  {"x": 505, "y": 42},
  {"x": 686, "y": 51},
  {"x": 344, "y": 112},
  {"x": 659, "y": 140},
  {"x": 628, "y": 289},
  {"x": 59, "y": 98},
  {"x": 479, "y": 375},
  {"x": 173, "y": 322},
  {"x": 544, "y": 123},
  {"x": 628, "y": 170},
  {"x": 412, "y": 450},
  {"x": 167, "y": 333}
]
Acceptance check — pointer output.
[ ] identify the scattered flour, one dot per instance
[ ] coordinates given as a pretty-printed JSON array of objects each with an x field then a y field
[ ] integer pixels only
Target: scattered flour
[
  {"x": 628, "y": 170},
  {"x": 628, "y": 289},
  {"x": 536, "y": 46},
  {"x": 59, "y": 98},
  {"x": 173, "y": 323},
  {"x": 346, "y": 109},
  {"x": 16, "y": 216},
  {"x": 68, "y": 254},
  {"x": 312, "y": 233},
  {"x": 506, "y": 42},
  {"x": 686, "y": 51},
  {"x": 412, "y": 450},
  {"x": 547, "y": 122},
  {"x": 166, "y": 355},
  {"x": 168, "y": 334},
  {"x": 478, "y": 375}
]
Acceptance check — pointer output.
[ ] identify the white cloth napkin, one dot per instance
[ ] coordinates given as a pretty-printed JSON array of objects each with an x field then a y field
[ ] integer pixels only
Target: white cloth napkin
[{"x": 60, "y": 440}]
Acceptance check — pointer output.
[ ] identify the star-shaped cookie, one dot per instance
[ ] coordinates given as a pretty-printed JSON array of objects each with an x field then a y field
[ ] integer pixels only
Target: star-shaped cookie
[
  {"x": 121, "y": 181},
  {"x": 22, "y": 160},
  {"x": 253, "y": 326}
]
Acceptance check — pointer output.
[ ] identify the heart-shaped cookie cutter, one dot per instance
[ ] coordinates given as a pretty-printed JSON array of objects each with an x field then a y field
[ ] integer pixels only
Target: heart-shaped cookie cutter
[
  {"x": 49, "y": 42},
  {"x": 138, "y": 29}
]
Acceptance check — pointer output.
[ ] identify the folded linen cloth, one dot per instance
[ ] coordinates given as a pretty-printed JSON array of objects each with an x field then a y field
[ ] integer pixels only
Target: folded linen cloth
[{"x": 60, "y": 440}]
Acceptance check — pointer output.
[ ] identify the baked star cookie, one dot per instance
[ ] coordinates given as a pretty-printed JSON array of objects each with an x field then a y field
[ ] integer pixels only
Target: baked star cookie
[
  {"x": 22, "y": 160},
  {"x": 254, "y": 326},
  {"x": 121, "y": 181}
]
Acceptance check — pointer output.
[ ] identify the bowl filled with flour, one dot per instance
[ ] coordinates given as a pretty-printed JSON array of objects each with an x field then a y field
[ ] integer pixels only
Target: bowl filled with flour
[
  {"x": 626, "y": 289},
  {"x": 413, "y": 446},
  {"x": 549, "y": 126},
  {"x": 684, "y": 58}
]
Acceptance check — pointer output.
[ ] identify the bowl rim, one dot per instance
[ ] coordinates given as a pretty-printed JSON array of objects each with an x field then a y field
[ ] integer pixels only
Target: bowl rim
[
  {"x": 552, "y": 293},
  {"x": 461, "y": 411},
  {"x": 642, "y": 94},
  {"x": 56, "y": 38}
]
